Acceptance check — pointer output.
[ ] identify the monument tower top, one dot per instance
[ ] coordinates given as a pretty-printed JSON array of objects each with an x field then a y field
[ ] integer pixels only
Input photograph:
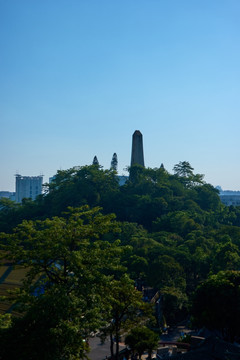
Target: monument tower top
[{"x": 137, "y": 149}]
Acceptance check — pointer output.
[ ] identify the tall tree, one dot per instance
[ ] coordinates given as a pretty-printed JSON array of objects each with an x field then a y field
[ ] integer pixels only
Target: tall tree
[
  {"x": 142, "y": 339},
  {"x": 95, "y": 161},
  {"x": 216, "y": 304},
  {"x": 184, "y": 171},
  {"x": 69, "y": 270},
  {"x": 125, "y": 310},
  {"x": 114, "y": 162},
  {"x": 78, "y": 186}
]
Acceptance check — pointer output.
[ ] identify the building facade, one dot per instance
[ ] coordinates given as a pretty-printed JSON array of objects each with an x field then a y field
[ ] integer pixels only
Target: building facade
[
  {"x": 28, "y": 187},
  {"x": 229, "y": 197},
  {"x": 7, "y": 194}
]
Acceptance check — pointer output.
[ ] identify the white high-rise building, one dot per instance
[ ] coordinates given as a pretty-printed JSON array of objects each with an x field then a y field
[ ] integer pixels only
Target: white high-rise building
[{"x": 28, "y": 187}]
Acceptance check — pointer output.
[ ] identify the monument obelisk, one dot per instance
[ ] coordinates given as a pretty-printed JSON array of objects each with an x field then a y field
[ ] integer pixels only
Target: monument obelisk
[{"x": 137, "y": 149}]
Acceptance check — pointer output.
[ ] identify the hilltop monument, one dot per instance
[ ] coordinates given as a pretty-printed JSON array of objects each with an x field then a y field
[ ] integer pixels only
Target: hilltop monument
[{"x": 137, "y": 149}]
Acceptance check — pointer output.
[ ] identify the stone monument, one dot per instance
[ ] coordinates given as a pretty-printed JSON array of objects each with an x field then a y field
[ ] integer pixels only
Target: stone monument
[{"x": 137, "y": 149}]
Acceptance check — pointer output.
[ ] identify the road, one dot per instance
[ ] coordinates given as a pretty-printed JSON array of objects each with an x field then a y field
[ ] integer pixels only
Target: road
[
  {"x": 100, "y": 351},
  {"x": 173, "y": 334}
]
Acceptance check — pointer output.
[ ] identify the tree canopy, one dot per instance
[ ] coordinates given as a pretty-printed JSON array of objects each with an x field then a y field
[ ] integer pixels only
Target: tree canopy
[
  {"x": 216, "y": 304},
  {"x": 142, "y": 339},
  {"x": 70, "y": 269},
  {"x": 170, "y": 232}
]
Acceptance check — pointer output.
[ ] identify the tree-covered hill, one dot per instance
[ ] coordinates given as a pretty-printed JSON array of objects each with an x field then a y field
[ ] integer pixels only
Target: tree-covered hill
[
  {"x": 174, "y": 231},
  {"x": 151, "y": 197}
]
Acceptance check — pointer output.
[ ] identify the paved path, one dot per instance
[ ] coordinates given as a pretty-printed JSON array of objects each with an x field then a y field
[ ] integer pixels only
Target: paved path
[
  {"x": 173, "y": 334},
  {"x": 100, "y": 351}
]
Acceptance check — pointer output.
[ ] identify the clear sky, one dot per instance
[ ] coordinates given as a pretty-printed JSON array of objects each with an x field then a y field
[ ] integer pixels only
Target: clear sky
[{"x": 78, "y": 77}]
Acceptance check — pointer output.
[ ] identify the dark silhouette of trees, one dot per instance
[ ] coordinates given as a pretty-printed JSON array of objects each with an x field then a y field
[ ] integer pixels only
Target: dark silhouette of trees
[
  {"x": 173, "y": 231},
  {"x": 64, "y": 292},
  {"x": 95, "y": 161},
  {"x": 114, "y": 162},
  {"x": 142, "y": 339},
  {"x": 216, "y": 304}
]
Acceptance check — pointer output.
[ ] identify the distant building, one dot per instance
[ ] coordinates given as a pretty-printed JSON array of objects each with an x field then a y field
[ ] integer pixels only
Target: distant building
[
  {"x": 229, "y": 197},
  {"x": 52, "y": 178},
  {"x": 7, "y": 194},
  {"x": 28, "y": 187}
]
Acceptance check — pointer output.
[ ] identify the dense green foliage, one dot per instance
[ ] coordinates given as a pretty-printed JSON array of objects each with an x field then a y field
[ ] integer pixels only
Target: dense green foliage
[
  {"x": 74, "y": 285},
  {"x": 142, "y": 339},
  {"x": 173, "y": 229},
  {"x": 216, "y": 304},
  {"x": 125, "y": 309}
]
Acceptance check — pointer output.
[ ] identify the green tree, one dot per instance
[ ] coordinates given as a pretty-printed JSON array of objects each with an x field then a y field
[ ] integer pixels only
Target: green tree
[
  {"x": 142, "y": 339},
  {"x": 79, "y": 186},
  {"x": 226, "y": 257},
  {"x": 174, "y": 304},
  {"x": 184, "y": 171},
  {"x": 125, "y": 309},
  {"x": 9, "y": 210},
  {"x": 95, "y": 161},
  {"x": 208, "y": 198},
  {"x": 49, "y": 330},
  {"x": 164, "y": 271},
  {"x": 114, "y": 162},
  {"x": 216, "y": 304},
  {"x": 64, "y": 293}
]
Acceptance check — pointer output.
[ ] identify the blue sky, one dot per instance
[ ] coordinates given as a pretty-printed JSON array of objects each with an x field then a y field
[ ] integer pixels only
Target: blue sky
[{"x": 78, "y": 77}]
